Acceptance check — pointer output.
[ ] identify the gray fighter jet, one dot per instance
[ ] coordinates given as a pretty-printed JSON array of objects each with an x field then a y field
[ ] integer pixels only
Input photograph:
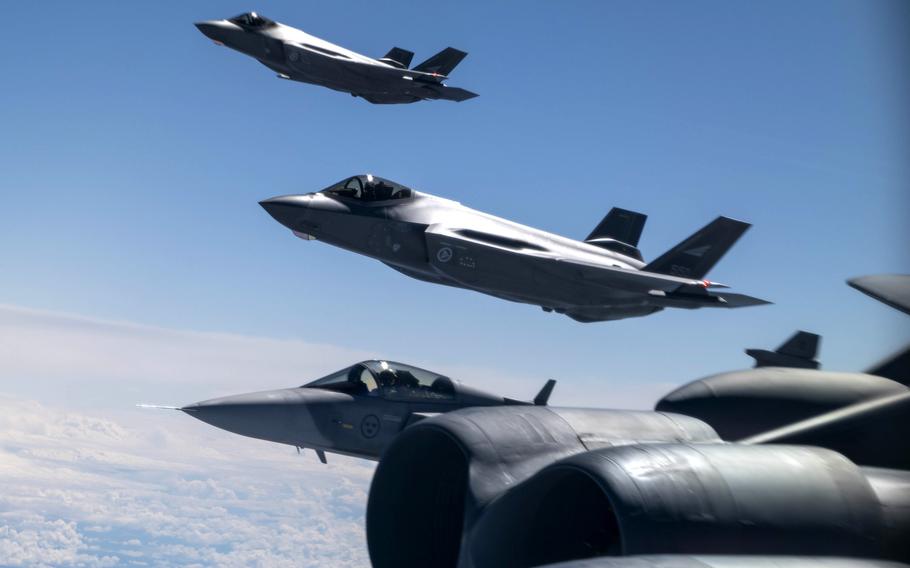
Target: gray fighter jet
[
  {"x": 441, "y": 241},
  {"x": 298, "y": 56},
  {"x": 356, "y": 411}
]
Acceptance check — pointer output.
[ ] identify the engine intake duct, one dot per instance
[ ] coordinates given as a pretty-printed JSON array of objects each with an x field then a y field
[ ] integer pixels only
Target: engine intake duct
[
  {"x": 696, "y": 499},
  {"x": 436, "y": 478}
]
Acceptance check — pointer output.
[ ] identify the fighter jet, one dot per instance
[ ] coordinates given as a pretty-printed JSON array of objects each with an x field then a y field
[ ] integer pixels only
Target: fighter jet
[
  {"x": 441, "y": 241},
  {"x": 356, "y": 411},
  {"x": 298, "y": 56}
]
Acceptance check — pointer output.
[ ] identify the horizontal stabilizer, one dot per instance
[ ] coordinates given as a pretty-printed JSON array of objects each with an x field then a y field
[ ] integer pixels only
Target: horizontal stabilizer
[
  {"x": 442, "y": 63},
  {"x": 436, "y": 91},
  {"x": 398, "y": 57},
  {"x": 739, "y": 300},
  {"x": 158, "y": 406},
  {"x": 620, "y": 224},
  {"x": 797, "y": 352},
  {"x": 695, "y": 256}
]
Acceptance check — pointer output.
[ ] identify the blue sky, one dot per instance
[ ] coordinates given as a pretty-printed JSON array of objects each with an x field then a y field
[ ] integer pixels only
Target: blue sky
[
  {"x": 137, "y": 265},
  {"x": 135, "y": 152}
]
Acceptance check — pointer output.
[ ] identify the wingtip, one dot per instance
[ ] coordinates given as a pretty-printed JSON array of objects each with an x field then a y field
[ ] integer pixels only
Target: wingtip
[{"x": 733, "y": 221}]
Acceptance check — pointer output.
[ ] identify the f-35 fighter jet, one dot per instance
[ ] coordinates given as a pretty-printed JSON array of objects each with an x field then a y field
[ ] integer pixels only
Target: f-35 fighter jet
[
  {"x": 298, "y": 56},
  {"x": 441, "y": 241},
  {"x": 356, "y": 411}
]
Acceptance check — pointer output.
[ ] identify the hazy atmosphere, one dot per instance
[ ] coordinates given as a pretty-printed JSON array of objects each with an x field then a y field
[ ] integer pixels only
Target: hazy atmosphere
[{"x": 138, "y": 267}]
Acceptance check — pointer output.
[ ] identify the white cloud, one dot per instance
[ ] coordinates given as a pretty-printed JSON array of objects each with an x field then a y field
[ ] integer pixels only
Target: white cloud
[
  {"x": 89, "y": 480},
  {"x": 90, "y": 490}
]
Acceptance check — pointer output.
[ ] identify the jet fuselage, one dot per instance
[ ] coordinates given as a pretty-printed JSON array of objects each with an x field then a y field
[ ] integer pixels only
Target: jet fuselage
[
  {"x": 441, "y": 241},
  {"x": 357, "y": 411},
  {"x": 299, "y": 56}
]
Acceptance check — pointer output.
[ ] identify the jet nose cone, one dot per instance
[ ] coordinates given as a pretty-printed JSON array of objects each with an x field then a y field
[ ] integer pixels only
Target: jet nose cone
[
  {"x": 288, "y": 210},
  {"x": 213, "y": 29},
  {"x": 269, "y": 415}
]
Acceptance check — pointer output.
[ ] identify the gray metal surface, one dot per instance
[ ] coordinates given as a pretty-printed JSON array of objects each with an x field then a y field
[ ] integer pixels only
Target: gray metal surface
[
  {"x": 298, "y": 56},
  {"x": 799, "y": 351},
  {"x": 445, "y": 470},
  {"x": 743, "y": 403},
  {"x": 712, "y": 561},
  {"x": 689, "y": 499},
  {"x": 891, "y": 289},
  {"x": 874, "y": 432},
  {"x": 441, "y": 241}
]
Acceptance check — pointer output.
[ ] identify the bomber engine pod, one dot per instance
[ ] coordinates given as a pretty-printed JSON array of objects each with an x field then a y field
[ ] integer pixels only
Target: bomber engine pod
[
  {"x": 435, "y": 479},
  {"x": 685, "y": 561},
  {"x": 739, "y": 404},
  {"x": 696, "y": 499}
]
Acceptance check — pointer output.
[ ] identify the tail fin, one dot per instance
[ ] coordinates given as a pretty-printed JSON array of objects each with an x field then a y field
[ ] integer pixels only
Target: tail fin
[
  {"x": 619, "y": 231},
  {"x": 622, "y": 225},
  {"x": 544, "y": 395},
  {"x": 695, "y": 256},
  {"x": 443, "y": 62},
  {"x": 797, "y": 352},
  {"x": 398, "y": 57}
]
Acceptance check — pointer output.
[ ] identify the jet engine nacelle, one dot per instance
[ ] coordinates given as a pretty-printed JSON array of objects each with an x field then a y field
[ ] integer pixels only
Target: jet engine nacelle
[
  {"x": 739, "y": 561},
  {"x": 435, "y": 480},
  {"x": 696, "y": 499},
  {"x": 744, "y": 403}
]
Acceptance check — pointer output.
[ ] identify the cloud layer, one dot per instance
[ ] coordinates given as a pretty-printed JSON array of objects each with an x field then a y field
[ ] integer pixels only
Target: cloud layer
[
  {"x": 85, "y": 491},
  {"x": 89, "y": 480}
]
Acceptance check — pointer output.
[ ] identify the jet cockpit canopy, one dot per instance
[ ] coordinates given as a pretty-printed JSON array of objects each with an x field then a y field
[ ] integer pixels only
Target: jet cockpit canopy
[
  {"x": 369, "y": 188},
  {"x": 390, "y": 380},
  {"x": 251, "y": 20}
]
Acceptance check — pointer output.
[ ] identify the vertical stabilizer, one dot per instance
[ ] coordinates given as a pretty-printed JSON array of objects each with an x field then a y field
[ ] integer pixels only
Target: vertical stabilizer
[
  {"x": 398, "y": 57},
  {"x": 442, "y": 63},
  {"x": 695, "y": 256}
]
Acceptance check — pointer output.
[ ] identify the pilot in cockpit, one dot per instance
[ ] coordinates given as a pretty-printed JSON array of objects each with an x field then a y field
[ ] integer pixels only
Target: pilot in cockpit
[
  {"x": 388, "y": 381},
  {"x": 251, "y": 20}
]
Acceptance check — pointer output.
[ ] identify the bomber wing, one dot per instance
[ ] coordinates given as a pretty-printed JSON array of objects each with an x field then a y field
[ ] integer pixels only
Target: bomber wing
[
  {"x": 890, "y": 289},
  {"x": 873, "y": 432}
]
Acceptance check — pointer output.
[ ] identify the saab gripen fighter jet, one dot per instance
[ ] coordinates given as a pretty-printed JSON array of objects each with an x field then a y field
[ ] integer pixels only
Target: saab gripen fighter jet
[
  {"x": 298, "y": 56},
  {"x": 356, "y": 411},
  {"x": 443, "y": 242}
]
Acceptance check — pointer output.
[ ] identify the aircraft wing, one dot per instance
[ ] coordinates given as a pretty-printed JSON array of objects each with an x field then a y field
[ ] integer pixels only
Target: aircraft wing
[
  {"x": 890, "y": 289},
  {"x": 874, "y": 432}
]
